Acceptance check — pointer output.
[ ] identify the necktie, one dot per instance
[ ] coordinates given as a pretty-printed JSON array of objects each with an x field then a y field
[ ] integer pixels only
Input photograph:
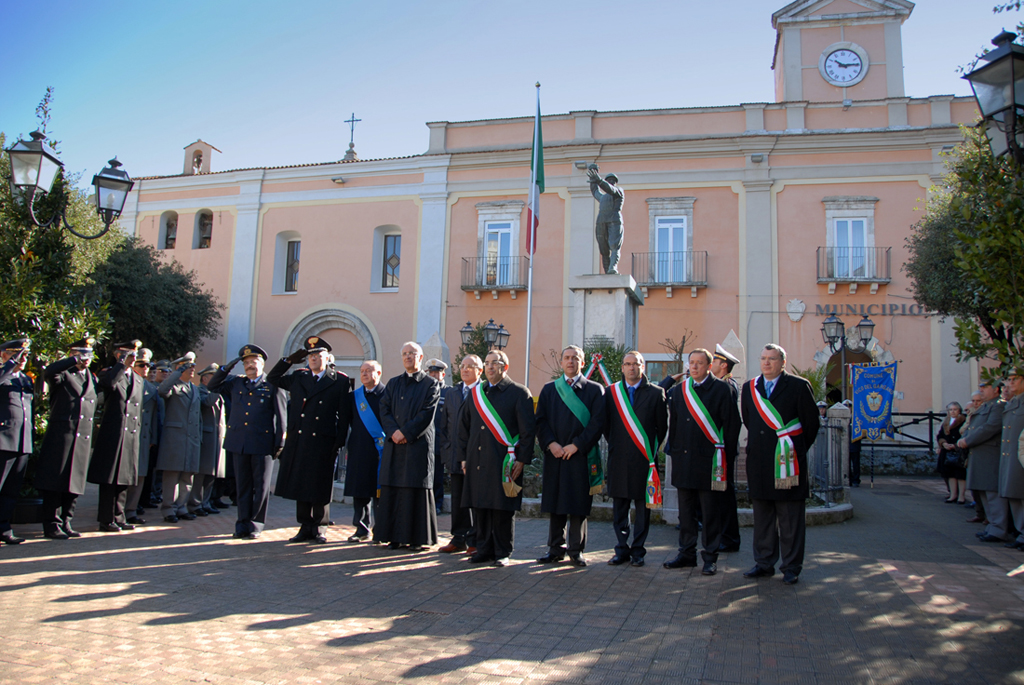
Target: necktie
[
  {"x": 465, "y": 391},
  {"x": 768, "y": 386},
  {"x": 631, "y": 391}
]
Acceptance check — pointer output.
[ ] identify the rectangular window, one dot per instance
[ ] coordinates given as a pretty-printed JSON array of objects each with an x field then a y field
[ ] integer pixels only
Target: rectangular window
[
  {"x": 172, "y": 235},
  {"x": 671, "y": 250},
  {"x": 291, "y": 271},
  {"x": 392, "y": 261},
  {"x": 850, "y": 249},
  {"x": 498, "y": 252}
]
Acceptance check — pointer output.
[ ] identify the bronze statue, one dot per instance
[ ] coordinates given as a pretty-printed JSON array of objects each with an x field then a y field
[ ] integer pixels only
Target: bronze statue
[{"x": 609, "y": 217}]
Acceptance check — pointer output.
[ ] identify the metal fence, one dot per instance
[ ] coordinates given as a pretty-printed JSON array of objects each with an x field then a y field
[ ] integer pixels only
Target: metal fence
[
  {"x": 850, "y": 264},
  {"x": 495, "y": 273},
  {"x": 825, "y": 461},
  {"x": 689, "y": 268}
]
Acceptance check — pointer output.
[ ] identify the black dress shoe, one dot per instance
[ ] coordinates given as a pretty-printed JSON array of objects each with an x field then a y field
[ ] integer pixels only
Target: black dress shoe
[
  {"x": 199, "y": 512},
  {"x": 9, "y": 538},
  {"x": 480, "y": 558},
  {"x": 618, "y": 560},
  {"x": 758, "y": 572},
  {"x": 728, "y": 549},
  {"x": 680, "y": 561},
  {"x": 318, "y": 540},
  {"x": 135, "y": 520},
  {"x": 219, "y": 504},
  {"x": 577, "y": 560},
  {"x": 211, "y": 509},
  {"x": 239, "y": 535},
  {"x": 171, "y": 519},
  {"x": 55, "y": 534},
  {"x": 187, "y": 516},
  {"x": 550, "y": 558},
  {"x": 300, "y": 537},
  {"x": 990, "y": 538},
  {"x": 110, "y": 528},
  {"x": 71, "y": 532},
  {"x": 790, "y": 578},
  {"x": 394, "y": 545},
  {"x": 710, "y": 568},
  {"x": 638, "y": 562}
]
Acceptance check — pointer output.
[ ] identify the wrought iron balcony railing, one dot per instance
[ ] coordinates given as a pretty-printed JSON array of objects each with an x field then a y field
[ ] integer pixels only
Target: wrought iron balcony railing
[
  {"x": 494, "y": 274},
  {"x": 854, "y": 264}
]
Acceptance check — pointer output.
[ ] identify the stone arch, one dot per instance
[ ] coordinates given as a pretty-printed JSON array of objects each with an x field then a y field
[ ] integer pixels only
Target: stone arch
[
  {"x": 325, "y": 319},
  {"x": 854, "y": 354}
]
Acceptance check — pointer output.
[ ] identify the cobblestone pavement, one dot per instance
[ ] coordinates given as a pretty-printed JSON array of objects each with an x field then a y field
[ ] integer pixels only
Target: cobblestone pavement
[{"x": 903, "y": 593}]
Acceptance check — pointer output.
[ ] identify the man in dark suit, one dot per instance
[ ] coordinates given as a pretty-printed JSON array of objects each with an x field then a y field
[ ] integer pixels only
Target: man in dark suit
[
  {"x": 982, "y": 438},
  {"x": 635, "y": 414},
  {"x": 360, "y": 413},
  {"x": 115, "y": 459},
  {"x": 311, "y": 448},
  {"x": 16, "y": 418},
  {"x": 407, "y": 512},
  {"x": 436, "y": 369},
  {"x": 463, "y": 536},
  {"x": 492, "y": 488},
  {"x": 704, "y": 428},
  {"x": 255, "y": 434},
  {"x": 722, "y": 363},
  {"x": 782, "y": 422},
  {"x": 67, "y": 446},
  {"x": 149, "y": 435},
  {"x": 570, "y": 421}
]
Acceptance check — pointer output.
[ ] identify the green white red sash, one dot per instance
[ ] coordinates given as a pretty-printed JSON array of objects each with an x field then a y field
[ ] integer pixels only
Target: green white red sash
[
  {"x": 597, "y": 363},
  {"x": 502, "y": 435},
  {"x": 595, "y": 470},
  {"x": 639, "y": 437},
  {"x": 787, "y": 468},
  {"x": 711, "y": 431}
]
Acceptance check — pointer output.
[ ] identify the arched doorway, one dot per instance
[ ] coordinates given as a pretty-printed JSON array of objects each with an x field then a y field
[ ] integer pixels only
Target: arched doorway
[{"x": 835, "y": 393}]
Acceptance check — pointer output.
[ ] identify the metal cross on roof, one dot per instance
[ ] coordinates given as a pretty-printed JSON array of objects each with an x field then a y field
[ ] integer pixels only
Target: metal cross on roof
[{"x": 352, "y": 129}]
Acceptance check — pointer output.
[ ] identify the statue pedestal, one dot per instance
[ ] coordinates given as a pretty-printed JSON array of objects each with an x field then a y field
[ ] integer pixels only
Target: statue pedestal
[{"x": 605, "y": 305}]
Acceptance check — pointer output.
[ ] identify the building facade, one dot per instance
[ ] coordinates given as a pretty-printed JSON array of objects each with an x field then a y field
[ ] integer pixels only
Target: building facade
[{"x": 744, "y": 224}]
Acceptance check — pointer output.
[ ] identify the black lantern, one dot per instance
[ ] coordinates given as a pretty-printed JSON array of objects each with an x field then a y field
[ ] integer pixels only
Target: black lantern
[
  {"x": 866, "y": 329},
  {"x": 833, "y": 330},
  {"x": 490, "y": 334},
  {"x": 467, "y": 333},
  {"x": 34, "y": 166},
  {"x": 502, "y": 337},
  {"x": 999, "y": 89},
  {"x": 112, "y": 188}
]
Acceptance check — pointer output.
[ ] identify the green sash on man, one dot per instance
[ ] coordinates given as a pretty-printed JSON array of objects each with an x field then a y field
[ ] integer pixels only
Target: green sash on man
[{"x": 580, "y": 411}]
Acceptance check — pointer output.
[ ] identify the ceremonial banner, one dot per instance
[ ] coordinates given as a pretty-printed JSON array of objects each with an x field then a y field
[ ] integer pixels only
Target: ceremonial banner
[{"x": 873, "y": 390}]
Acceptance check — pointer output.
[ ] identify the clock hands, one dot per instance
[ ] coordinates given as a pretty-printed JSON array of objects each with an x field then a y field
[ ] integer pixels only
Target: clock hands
[{"x": 844, "y": 66}]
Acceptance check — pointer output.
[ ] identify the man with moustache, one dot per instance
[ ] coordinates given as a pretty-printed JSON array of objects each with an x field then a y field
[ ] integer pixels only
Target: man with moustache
[
  {"x": 181, "y": 441},
  {"x": 722, "y": 364},
  {"x": 311, "y": 447},
  {"x": 495, "y": 438},
  {"x": 115, "y": 460},
  {"x": 463, "y": 535},
  {"x": 570, "y": 421},
  {"x": 636, "y": 420},
  {"x": 982, "y": 437},
  {"x": 704, "y": 429},
  {"x": 255, "y": 434},
  {"x": 407, "y": 514},
  {"x": 360, "y": 412},
  {"x": 782, "y": 422},
  {"x": 16, "y": 393},
  {"x": 67, "y": 447}
]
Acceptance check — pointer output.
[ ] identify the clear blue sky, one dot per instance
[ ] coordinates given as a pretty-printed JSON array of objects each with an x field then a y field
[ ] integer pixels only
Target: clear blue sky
[{"x": 270, "y": 83}]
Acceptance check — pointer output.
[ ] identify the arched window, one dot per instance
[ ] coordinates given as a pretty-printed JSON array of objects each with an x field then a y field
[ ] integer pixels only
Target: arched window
[
  {"x": 287, "y": 256},
  {"x": 168, "y": 234},
  {"x": 203, "y": 233}
]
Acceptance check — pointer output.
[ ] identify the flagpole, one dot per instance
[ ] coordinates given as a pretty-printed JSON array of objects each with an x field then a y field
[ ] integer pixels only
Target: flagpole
[{"x": 531, "y": 247}]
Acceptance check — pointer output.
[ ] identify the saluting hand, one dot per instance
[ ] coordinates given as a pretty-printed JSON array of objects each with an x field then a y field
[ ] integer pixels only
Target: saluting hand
[{"x": 298, "y": 356}]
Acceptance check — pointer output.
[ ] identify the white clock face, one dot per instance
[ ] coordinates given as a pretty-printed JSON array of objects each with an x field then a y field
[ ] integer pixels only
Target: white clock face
[{"x": 843, "y": 66}]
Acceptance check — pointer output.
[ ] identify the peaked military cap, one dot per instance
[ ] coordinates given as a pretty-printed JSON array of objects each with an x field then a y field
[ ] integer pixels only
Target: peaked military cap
[
  {"x": 145, "y": 355},
  {"x": 86, "y": 343},
  {"x": 720, "y": 353},
  {"x": 129, "y": 345},
  {"x": 211, "y": 369},
  {"x": 162, "y": 365},
  {"x": 251, "y": 350},
  {"x": 187, "y": 358},
  {"x": 316, "y": 344},
  {"x": 17, "y": 344},
  {"x": 436, "y": 365}
]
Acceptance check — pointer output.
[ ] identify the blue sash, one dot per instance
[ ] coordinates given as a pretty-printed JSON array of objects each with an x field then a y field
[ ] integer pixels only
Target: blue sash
[{"x": 369, "y": 420}]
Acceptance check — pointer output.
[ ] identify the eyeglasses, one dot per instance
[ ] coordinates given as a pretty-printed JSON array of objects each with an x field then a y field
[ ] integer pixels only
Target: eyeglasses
[
  {"x": 142, "y": 364},
  {"x": 495, "y": 362}
]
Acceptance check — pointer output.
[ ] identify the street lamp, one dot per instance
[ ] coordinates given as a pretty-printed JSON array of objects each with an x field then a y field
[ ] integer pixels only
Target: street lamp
[
  {"x": 495, "y": 336},
  {"x": 490, "y": 334},
  {"x": 34, "y": 168},
  {"x": 503, "y": 335},
  {"x": 467, "y": 332},
  {"x": 999, "y": 90},
  {"x": 833, "y": 331}
]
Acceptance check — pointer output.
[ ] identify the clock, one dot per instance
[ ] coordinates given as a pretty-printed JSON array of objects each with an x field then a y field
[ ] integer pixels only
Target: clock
[{"x": 843, "y": 64}]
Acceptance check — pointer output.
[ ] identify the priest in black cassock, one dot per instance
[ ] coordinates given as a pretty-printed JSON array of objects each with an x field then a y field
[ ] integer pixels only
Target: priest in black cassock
[
  {"x": 313, "y": 439},
  {"x": 495, "y": 496},
  {"x": 570, "y": 421},
  {"x": 406, "y": 511},
  {"x": 360, "y": 420}
]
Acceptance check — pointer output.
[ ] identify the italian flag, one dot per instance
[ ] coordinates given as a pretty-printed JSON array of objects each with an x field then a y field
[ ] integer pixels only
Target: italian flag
[{"x": 536, "y": 182}]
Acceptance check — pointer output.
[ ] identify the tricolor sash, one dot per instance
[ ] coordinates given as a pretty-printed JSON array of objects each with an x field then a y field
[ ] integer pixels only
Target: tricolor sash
[
  {"x": 596, "y": 362},
  {"x": 787, "y": 468},
  {"x": 582, "y": 414},
  {"x": 372, "y": 426},
  {"x": 639, "y": 436},
  {"x": 502, "y": 435},
  {"x": 711, "y": 431}
]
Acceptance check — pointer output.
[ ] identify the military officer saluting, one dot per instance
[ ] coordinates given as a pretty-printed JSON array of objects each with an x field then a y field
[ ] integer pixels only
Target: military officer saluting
[
  {"x": 311, "y": 448},
  {"x": 15, "y": 429},
  {"x": 67, "y": 447},
  {"x": 255, "y": 434}
]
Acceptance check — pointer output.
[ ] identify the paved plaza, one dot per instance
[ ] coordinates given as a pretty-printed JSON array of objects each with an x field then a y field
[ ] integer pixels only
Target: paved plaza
[{"x": 902, "y": 593}]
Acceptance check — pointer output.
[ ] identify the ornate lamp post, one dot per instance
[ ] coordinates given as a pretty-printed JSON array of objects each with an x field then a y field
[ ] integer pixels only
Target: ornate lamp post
[
  {"x": 833, "y": 331},
  {"x": 998, "y": 87},
  {"x": 34, "y": 168},
  {"x": 496, "y": 336}
]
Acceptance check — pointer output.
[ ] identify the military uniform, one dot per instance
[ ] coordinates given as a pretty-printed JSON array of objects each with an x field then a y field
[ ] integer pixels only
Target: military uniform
[
  {"x": 180, "y": 443},
  {"x": 982, "y": 438},
  {"x": 1011, "y": 473},
  {"x": 149, "y": 436},
  {"x": 16, "y": 392},
  {"x": 212, "y": 459}
]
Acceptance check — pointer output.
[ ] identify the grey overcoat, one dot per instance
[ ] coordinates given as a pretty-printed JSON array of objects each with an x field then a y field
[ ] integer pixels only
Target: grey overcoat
[
  {"x": 181, "y": 441},
  {"x": 982, "y": 437},
  {"x": 1011, "y": 473}
]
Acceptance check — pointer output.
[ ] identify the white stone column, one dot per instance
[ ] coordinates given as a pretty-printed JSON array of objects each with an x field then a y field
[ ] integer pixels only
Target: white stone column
[
  {"x": 758, "y": 291},
  {"x": 243, "y": 262}
]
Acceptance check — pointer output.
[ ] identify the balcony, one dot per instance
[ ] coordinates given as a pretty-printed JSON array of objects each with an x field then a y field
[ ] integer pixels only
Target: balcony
[
  {"x": 494, "y": 274},
  {"x": 670, "y": 270},
  {"x": 854, "y": 265}
]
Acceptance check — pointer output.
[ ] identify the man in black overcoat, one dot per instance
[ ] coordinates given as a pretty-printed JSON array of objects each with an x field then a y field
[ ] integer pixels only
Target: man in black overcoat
[
  {"x": 693, "y": 457},
  {"x": 463, "y": 535},
  {"x": 311, "y": 448},
  {"x": 779, "y": 525},
  {"x": 722, "y": 363},
  {"x": 628, "y": 468},
  {"x": 67, "y": 447},
  {"x": 436, "y": 369},
  {"x": 255, "y": 434},
  {"x": 115, "y": 457},
  {"x": 494, "y": 510},
  {"x": 407, "y": 514},
  {"x": 149, "y": 440},
  {"x": 16, "y": 393},
  {"x": 363, "y": 450},
  {"x": 566, "y": 442}
]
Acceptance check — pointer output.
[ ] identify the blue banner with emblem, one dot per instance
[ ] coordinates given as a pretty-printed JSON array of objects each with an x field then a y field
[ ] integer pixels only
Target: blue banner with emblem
[{"x": 874, "y": 387}]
